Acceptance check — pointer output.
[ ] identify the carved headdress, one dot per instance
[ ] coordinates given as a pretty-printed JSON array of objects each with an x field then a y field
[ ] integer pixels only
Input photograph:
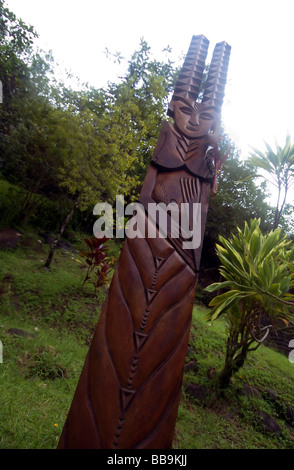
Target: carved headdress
[{"x": 189, "y": 83}]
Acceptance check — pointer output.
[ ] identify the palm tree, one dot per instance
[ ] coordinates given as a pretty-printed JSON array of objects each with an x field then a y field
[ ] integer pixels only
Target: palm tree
[
  {"x": 279, "y": 165},
  {"x": 258, "y": 272}
]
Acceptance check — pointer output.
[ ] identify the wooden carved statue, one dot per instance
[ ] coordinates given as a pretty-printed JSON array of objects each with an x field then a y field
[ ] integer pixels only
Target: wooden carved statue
[{"x": 129, "y": 390}]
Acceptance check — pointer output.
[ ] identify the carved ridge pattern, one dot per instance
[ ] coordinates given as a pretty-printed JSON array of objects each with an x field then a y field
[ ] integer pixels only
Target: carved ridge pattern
[
  {"x": 175, "y": 304},
  {"x": 138, "y": 344},
  {"x": 187, "y": 325},
  {"x": 177, "y": 273},
  {"x": 126, "y": 401},
  {"x": 127, "y": 394},
  {"x": 182, "y": 147},
  {"x": 144, "y": 443},
  {"x": 178, "y": 388},
  {"x": 123, "y": 391},
  {"x": 190, "y": 189}
]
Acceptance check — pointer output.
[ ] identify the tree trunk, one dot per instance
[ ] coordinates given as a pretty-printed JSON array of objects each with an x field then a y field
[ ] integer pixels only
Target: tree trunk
[
  {"x": 62, "y": 228},
  {"x": 224, "y": 378},
  {"x": 277, "y": 214},
  {"x": 232, "y": 365},
  {"x": 277, "y": 221}
]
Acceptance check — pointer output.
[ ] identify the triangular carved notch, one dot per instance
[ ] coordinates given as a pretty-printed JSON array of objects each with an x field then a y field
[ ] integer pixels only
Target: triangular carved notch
[
  {"x": 126, "y": 397},
  {"x": 150, "y": 294},
  {"x": 158, "y": 262},
  {"x": 140, "y": 339}
]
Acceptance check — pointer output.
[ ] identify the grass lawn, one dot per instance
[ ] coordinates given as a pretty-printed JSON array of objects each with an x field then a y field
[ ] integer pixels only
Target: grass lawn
[
  {"x": 263, "y": 388},
  {"x": 41, "y": 368}
]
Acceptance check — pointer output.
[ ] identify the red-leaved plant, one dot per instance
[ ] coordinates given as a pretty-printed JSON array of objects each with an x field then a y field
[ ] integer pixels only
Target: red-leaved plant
[{"x": 99, "y": 264}]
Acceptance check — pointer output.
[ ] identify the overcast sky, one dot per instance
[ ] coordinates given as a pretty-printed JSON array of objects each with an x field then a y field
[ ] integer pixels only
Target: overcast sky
[{"x": 259, "y": 99}]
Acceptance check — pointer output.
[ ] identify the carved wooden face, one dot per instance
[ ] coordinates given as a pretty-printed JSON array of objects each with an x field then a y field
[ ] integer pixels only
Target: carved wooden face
[{"x": 194, "y": 122}]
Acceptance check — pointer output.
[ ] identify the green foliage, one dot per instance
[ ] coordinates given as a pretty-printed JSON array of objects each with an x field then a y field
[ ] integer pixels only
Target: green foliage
[
  {"x": 238, "y": 198},
  {"x": 40, "y": 212},
  {"x": 230, "y": 421},
  {"x": 53, "y": 297},
  {"x": 87, "y": 145},
  {"x": 15, "y": 34},
  {"x": 279, "y": 166},
  {"x": 117, "y": 129},
  {"x": 142, "y": 97},
  {"x": 255, "y": 267},
  {"x": 15, "y": 48},
  {"x": 39, "y": 373},
  {"x": 27, "y": 120},
  {"x": 258, "y": 274},
  {"x": 44, "y": 363}
]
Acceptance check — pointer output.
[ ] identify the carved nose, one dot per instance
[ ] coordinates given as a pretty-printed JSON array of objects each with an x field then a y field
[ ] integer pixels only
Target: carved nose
[{"x": 194, "y": 120}]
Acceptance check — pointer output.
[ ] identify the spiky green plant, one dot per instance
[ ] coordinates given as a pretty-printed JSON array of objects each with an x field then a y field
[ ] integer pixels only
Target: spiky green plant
[
  {"x": 279, "y": 166},
  {"x": 258, "y": 275}
]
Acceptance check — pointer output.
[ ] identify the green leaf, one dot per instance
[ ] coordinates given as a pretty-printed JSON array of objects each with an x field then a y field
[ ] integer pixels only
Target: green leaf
[{"x": 217, "y": 286}]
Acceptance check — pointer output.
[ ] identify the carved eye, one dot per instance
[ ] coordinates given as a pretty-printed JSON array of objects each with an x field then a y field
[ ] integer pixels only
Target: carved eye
[
  {"x": 206, "y": 116},
  {"x": 186, "y": 110}
]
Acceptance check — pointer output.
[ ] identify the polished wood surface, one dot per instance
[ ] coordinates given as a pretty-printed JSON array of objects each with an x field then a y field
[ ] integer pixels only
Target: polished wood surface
[{"x": 130, "y": 387}]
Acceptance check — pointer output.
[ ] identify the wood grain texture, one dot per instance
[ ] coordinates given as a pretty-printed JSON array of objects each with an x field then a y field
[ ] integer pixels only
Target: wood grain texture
[{"x": 127, "y": 396}]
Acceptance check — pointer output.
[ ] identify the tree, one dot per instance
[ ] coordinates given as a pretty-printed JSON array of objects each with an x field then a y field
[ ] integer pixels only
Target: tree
[
  {"x": 279, "y": 165},
  {"x": 16, "y": 40},
  {"x": 111, "y": 134},
  {"x": 258, "y": 275},
  {"x": 88, "y": 145},
  {"x": 141, "y": 100},
  {"x": 238, "y": 199},
  {"x": 14, "y": 32},
  {"x": 32, "y": 158},
  {"x": 27, "y": 120}
]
